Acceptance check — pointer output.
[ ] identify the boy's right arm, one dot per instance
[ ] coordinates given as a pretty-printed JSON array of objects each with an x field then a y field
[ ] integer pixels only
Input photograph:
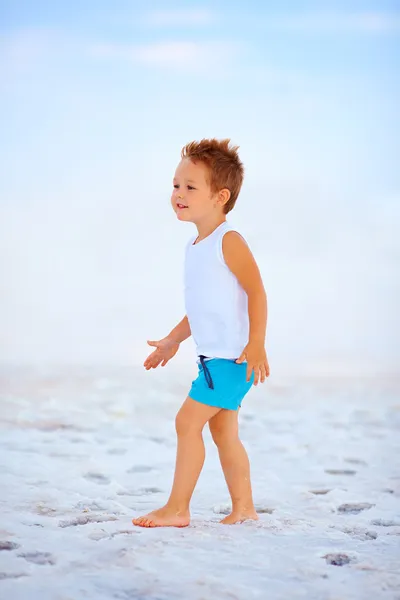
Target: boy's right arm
[
  {"x": 166, "y": 348},
  {"x": 181, "y": 332}
]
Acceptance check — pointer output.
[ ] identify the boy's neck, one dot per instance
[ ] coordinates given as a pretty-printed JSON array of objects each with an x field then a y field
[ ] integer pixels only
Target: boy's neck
[{"x": 206, "y": 228}]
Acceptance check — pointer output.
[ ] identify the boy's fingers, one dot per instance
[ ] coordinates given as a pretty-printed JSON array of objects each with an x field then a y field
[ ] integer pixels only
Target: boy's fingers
[
  {"x": 249, "y": 372},
  {"x": 164, "y": 362},
  {"x": 241, "y": 358},
  {"x": 152, "y": 343},
  {"x": 150, "y": 358},
  {"x": 266, "y": 369},
  {"x": 256, "y": 375},
  {"x": 152, "y": 361},
  {"x": 263, "y": 373}
]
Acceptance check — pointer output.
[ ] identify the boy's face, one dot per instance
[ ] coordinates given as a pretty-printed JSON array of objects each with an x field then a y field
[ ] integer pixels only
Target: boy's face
[{"x": 192, "y": 198}]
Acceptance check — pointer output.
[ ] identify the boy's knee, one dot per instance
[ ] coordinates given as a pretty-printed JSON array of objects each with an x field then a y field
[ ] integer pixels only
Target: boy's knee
[
  {"x": 223, "y": 435},
  {"x": 184, "y": 425}
]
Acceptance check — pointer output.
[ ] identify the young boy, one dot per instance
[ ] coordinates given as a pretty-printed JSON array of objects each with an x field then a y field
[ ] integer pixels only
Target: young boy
[{"x": 226, "y": 309}]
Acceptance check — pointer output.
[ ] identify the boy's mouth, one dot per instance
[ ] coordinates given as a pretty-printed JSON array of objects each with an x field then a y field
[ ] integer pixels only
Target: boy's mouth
[{"x": 181, "y": 205}]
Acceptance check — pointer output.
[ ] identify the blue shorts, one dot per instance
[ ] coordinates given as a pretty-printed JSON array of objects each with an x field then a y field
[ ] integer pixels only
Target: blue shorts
[{"x": 221, "y": 383}]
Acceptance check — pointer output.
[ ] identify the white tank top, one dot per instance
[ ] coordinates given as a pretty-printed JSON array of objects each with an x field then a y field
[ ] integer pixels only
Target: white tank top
[{"x": 216, "y": 304}]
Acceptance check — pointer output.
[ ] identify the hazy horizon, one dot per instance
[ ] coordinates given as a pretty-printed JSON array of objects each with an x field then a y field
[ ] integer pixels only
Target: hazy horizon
[{"x": 97, "y": 102}]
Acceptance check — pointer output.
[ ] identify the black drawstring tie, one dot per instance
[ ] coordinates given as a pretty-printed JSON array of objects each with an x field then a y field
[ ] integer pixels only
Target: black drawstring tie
[{"x": 207, "y": 373}]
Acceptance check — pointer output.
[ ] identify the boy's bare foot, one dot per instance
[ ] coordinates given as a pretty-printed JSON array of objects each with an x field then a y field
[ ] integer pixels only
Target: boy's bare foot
[
  {"x": 163, "y": 517},
  {"x": 238, "y": 516}
]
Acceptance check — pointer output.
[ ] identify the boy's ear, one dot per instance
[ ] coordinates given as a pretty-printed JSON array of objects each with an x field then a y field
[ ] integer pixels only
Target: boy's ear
[{"x": 223, "y": 196}]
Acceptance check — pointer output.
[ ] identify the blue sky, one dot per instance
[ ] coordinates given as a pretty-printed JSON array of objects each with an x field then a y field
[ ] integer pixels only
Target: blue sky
[{"x": 97, "y": 99}]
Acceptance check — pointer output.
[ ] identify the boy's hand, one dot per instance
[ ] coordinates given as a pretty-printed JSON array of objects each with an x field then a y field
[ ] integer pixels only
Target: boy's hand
[
  {"x": 257, "y": 361},
  {"x": 165, "y": 350}
]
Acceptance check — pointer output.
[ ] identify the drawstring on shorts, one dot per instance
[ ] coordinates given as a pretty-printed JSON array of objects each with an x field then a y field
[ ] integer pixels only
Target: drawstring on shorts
[{"x": 206, "y": 370}]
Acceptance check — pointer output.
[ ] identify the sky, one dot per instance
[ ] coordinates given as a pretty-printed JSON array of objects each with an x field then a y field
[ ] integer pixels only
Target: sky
[{"x": 96, "y": 100}]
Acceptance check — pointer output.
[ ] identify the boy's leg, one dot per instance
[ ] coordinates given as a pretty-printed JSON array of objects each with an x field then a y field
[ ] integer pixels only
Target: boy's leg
[
  {"x": 224, "y": 429},
  {"x": 190, "y": 422}
]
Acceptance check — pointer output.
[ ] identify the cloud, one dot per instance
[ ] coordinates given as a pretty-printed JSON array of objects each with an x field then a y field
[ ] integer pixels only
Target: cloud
[
  {"x": 166, "y": 18},
  {"x": 194, "y": 56},
  {"x": 366, "y": 22},
  {"x": 21, "y": 49}
]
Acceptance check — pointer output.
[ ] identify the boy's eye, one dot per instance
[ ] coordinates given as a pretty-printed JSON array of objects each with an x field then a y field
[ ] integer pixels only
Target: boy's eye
[
  {"x": 176, "y": 186},
  {"x": 190, "y": 187}
]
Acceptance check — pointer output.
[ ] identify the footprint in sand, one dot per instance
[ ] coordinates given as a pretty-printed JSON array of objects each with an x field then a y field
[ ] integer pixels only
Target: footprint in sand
[
  {"x": 39, "y": 558},
  {"x": 42, "y": 509},
  {"x": 126, "y": 493},
  {"x": 358, "y": 533},
  {"x": 385, "y": 523},
  {"x": 169, "y": 443},
  {"x": 355, "y": 508},
  {"x": 117, "y": 451},
  {"x": 140, "y": 469},
  {"x": 264, "y": 510},
  {"x": 54, "y": 426},
  {"x": 340, "y": 471},
  {"x": 338, "y": 560},
  {"x": 226, "y": 509},
  {"x": 320, "y": 492},
  {"x": 90, "y": 506},
  {"x": 124, "y": 532},
  {"x": 248, "y": 417},
  {"x": 222, "y": 509},
  {"x": 148, "y": 490},
  {"x": 84, "y": 519},
  {"x": 356, "y": 461},
  {"x": 157, "y": 439},
  {"x": 12, "y": 575},
  {"x": 145, "y": 491},
  {"x": 97, "y": 478},
  {"x": 8, "y": 545},
  {"x": 102, "y": 535}
]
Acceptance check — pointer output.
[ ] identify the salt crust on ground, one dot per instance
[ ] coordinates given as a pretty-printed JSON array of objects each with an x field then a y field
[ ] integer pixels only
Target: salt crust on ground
[{"x": 85, "y": 450}]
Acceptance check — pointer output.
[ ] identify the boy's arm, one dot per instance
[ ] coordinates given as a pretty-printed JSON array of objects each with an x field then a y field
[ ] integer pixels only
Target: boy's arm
[
  {"x": 240, "y": 261},
  {"x": 181, "y": 332},
  {"x": 166, "y": 348}
]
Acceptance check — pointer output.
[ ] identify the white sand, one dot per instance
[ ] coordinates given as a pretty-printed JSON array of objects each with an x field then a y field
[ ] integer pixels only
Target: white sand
[{"x": 82, "y": 452}]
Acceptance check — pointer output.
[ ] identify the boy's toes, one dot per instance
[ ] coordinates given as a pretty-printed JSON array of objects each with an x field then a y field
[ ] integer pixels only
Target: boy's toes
[
  {"x": 150, "y": 523},
  {"x": 143, "y": 522}
]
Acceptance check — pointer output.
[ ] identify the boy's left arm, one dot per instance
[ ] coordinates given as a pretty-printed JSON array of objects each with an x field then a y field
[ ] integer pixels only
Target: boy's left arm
[{"x": 240, "y": 261}]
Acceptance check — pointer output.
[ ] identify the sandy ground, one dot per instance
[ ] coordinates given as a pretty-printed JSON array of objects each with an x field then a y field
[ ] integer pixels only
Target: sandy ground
[{"x": 83, "y": 451}]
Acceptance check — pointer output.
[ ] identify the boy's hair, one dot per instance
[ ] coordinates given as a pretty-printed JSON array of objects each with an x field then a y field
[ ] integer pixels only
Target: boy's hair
[{"x": 223, "y": 162}]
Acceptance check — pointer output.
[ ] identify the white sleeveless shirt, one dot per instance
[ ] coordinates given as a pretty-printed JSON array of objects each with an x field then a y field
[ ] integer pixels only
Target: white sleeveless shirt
[{"x": 216, "y": 304}]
